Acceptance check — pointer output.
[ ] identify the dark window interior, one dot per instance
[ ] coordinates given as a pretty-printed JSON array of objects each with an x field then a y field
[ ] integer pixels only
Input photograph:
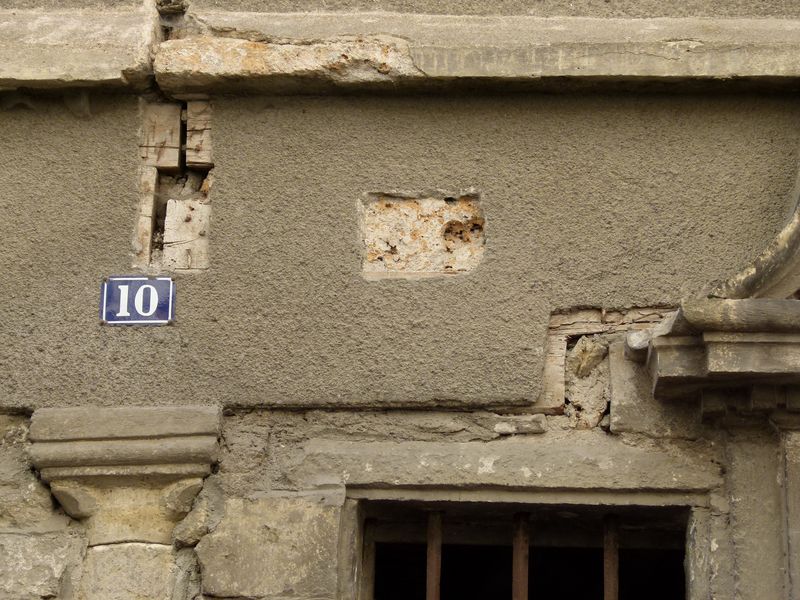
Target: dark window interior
[{"x": 566, "y": 562}]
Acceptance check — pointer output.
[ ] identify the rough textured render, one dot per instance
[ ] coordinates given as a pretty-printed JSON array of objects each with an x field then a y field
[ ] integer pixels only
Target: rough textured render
[
  {"x": 279, "y": 52},
  {"x": 59, "y": 49},
  {"x": 418, "y": 236},
  {"x": 554, "y": 8},
  {"x": 288, "y": 174}
]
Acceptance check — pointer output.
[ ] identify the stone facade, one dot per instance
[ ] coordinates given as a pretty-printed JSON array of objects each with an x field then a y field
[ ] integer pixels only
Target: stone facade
[{"x": 527, "y": 261}]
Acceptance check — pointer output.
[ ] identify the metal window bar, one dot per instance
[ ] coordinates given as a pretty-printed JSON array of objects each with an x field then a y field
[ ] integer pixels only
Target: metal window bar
[
  {"x": 433, "y": 579},
  {"x": 610, "y": 558},
  {"x": 520, "y": 557},
  {"x": 521, "y": 553}
]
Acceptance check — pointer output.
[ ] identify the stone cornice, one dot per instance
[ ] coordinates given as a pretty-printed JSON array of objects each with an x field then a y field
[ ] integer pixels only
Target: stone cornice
[
  {"x": 262, "y": 52},
  {"x": 77, "y": 49},
  {"x": 715, "y": 344},
  {"x": 224, "y": 51}
]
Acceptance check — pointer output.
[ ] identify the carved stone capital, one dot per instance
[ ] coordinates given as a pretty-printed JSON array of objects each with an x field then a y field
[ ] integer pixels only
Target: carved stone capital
[{"x": 129, "y": 473}]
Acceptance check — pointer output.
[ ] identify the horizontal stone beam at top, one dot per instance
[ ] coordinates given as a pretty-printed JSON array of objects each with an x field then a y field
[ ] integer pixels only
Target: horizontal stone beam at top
[
  {"x": 280, "y": 52},
  {"x": 54, "y": 49},
  {"x": 275, "y": 52}
]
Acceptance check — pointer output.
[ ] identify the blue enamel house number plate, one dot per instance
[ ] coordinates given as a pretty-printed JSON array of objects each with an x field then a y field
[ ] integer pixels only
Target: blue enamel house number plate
[{"x": 137, "y": 300}]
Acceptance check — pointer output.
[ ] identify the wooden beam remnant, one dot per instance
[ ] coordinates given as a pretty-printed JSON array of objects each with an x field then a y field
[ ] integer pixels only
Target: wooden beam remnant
[
  {"x": 522, "y": 542},
  {"x": 611, "y": 558},
  {"x": 161, "y": 136},
  {"x": 198, "y": 135},
  {"x": 433, "y": 579}
]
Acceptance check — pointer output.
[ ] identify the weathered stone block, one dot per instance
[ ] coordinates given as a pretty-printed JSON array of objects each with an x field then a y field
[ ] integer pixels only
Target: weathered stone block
[
  {"x": 38, "y": 566},
  {"x": 64, "y": 49},
  {"x": 128, "y": 572},
  {"x": 273, "y": 547},
  {"x": 417, "y": 236},
  {"x": 634, "y": 409},
  {"x": 24, "y": 501},
  {"x": 588, "y": 459}
]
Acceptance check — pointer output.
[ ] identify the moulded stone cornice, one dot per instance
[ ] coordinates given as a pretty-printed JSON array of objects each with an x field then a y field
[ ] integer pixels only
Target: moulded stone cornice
[{"x": 714, "y": 343}]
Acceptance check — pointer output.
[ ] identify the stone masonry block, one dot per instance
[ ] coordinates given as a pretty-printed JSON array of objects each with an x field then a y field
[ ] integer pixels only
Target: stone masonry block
[
  {"x": 37, "y": 566},
  {"x": 24, "y": 501},
  {"x": 128, "y": 572},
  {"x": 426, "y": 235},
  {"x": 273, "y": 547},
  {"x": 635, "y": 410}
]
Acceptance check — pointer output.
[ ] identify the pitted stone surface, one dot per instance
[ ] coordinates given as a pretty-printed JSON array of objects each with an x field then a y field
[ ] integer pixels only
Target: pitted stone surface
[{"x": 421, "y": 236}]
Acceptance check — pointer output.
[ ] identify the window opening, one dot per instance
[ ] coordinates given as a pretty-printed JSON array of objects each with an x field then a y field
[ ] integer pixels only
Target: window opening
[{"x": 464, "y": 552}]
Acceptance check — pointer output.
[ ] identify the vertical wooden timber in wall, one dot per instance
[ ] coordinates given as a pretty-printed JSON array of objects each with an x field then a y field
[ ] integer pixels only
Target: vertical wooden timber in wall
[
  {"x": 522, "y": 542},
  {"x": 433, "y": 579},
  {"x": 611, "y": 558},
  {"x": 161, "y": 137},
  {"x": 198, "y": 135}
]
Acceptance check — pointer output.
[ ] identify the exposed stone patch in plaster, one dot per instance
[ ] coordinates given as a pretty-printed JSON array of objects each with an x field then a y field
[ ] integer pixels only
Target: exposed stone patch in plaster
[{"x": 430, "y": 234}]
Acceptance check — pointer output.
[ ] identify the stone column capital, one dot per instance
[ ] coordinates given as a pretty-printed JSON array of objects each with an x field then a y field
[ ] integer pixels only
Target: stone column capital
[{"x": 131, "y": 473}]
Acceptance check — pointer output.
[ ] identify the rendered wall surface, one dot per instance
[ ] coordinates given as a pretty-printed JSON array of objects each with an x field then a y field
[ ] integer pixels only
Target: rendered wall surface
[
  {"x": 607, "y": 201},
  {"x": 547, "y": 8},
  {"x": 232, "y": 454}
]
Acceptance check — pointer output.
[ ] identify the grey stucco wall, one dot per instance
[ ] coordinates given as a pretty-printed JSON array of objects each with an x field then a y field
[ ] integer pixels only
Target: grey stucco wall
[{"x": 609, "y": 201}]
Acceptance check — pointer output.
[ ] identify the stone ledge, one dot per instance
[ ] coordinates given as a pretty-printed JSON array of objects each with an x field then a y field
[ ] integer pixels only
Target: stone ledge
[
  {"x": 91, "y": 423},
  {"x": 579, "y": 460},
  {"x": 65, "y": 49},
  {"x": 264, "y": 52},
  {"x": 137, "y": 441}
]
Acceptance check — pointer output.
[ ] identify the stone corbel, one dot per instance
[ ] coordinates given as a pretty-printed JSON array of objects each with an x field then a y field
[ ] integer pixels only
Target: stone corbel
[
  {"x": 129, "y": 473},
  {"x": 713, "y": 344}
]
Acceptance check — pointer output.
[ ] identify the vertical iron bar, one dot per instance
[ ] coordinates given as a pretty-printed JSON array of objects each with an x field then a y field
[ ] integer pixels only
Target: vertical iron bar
[
  {"x": 610, "y": 558},
  {"x": 522, "y": 543},
  {"x": 433, "y": 579}
]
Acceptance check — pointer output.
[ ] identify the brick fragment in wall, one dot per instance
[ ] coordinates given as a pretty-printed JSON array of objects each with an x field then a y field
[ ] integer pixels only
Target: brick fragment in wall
[{"x": 427, "y": 235}]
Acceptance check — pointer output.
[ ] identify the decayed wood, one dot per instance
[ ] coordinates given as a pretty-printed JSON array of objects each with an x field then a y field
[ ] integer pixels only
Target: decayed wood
[
  {"x": 185, "y": 234},
  {"x": 143, "y": 234},
  {"x": 522, "y": 542},
  {"x": 761, "y": 315},
  {"x": 433, "y": 579},
  {"x": 611, "y": 558},
  {"x": 161, "y": 136},
  {"x": 198, "y": 135},
  {"x": 551, "y": 399}
]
